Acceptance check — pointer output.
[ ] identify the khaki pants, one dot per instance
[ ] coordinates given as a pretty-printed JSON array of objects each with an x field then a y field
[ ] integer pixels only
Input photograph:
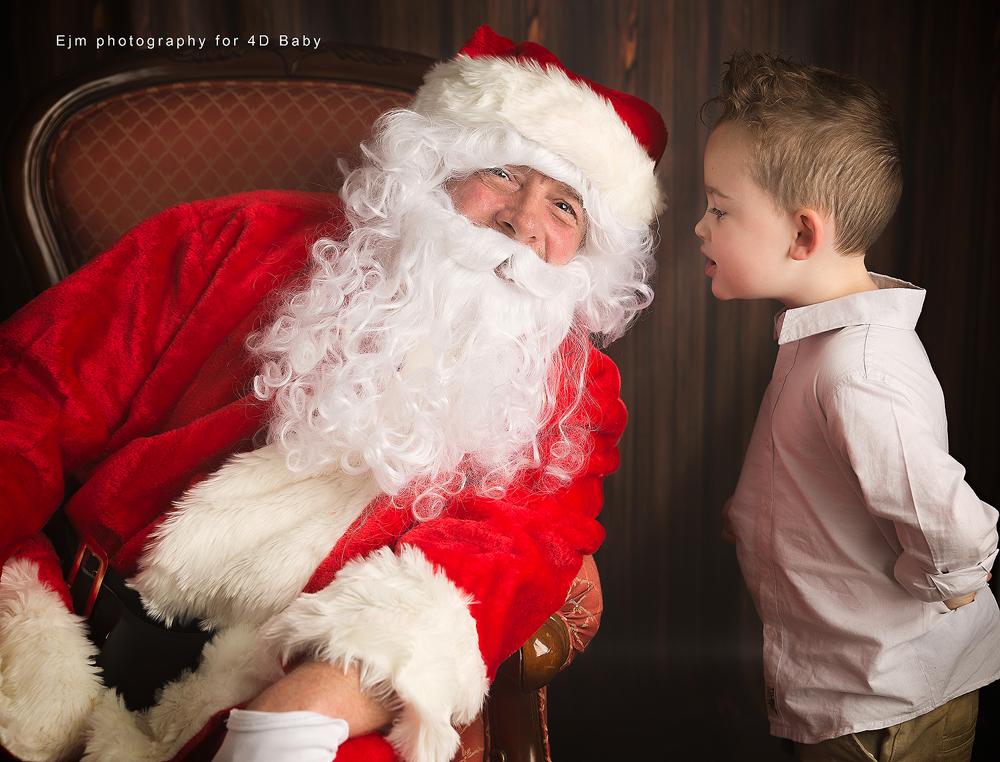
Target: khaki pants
[{"x": 942, "y": 735}]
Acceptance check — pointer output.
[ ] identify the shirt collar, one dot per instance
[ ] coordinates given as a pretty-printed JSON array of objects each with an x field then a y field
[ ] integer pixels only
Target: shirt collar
[{"x": 896, "y": 304}]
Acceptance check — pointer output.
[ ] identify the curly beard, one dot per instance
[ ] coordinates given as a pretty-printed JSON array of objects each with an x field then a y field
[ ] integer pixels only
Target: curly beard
[{"x": 428, "y": 358}]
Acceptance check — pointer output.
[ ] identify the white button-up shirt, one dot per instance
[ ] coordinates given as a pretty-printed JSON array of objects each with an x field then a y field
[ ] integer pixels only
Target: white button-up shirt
[{"x": 853, "y": 524}]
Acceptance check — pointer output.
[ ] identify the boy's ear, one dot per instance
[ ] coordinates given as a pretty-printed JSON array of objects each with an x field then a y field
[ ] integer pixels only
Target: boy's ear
[{"x": 810, "y": 228}]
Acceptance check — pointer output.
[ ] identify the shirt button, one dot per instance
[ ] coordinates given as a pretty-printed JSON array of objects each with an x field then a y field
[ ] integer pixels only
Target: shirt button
[
  {"x": 772, "y": 634},
  {"x": 765, "y": 508},
  {"x": 765, "y": 576},
  {"x": 780, "y": 374},
  {"x": 767, "y": 443}
]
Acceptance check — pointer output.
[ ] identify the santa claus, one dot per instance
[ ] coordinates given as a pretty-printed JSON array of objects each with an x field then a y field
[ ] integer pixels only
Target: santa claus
[{"x": 359, "y": 474}]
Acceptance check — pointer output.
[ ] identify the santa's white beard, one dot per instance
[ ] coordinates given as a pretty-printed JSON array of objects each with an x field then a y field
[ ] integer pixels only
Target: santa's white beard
[{"x": 435, "y": 374}]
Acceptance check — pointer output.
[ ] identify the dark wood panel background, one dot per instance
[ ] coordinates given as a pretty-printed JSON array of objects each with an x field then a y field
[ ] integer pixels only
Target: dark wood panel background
[{"x": 674, "y": 672}]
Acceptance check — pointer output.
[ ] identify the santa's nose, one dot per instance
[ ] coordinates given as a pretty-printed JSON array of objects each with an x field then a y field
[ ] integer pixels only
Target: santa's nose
[{"x": 520, "y": 217}]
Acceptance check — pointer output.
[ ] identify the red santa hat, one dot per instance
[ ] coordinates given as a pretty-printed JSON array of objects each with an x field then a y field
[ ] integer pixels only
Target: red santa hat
[{"x": 614, "y": 139}]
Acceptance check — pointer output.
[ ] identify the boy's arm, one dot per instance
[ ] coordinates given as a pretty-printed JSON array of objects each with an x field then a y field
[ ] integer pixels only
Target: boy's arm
[
  {"x": 947, "y": 536},
  {"x": 728, "y": 535},
  {"x": 963, "y": 600}
]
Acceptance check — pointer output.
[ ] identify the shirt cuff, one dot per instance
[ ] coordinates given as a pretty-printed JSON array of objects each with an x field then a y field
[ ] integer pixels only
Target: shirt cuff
[{"x": 942, "y": 586}]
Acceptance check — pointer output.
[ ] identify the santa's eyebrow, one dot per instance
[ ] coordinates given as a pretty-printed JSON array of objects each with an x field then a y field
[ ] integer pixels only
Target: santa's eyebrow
[
  {"x": 564, "y": 188},
  {"x": 569, "y": 190}
]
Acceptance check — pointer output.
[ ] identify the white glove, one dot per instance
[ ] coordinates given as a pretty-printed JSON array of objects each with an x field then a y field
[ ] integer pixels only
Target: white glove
[{"x": 281, "y": 737}]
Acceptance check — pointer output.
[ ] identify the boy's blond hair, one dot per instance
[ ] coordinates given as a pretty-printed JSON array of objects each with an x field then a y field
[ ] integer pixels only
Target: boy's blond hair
[{"x": 818, "y": 140}]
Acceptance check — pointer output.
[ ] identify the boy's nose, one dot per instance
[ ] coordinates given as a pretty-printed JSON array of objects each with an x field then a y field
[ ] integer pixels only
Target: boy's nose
[{"x": 701, "y": 229}]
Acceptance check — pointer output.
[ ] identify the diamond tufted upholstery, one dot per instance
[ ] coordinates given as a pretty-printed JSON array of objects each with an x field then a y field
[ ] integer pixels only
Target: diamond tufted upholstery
[
  {"x": 119, "y": 142},
  {"x": 129, "y": 156}
]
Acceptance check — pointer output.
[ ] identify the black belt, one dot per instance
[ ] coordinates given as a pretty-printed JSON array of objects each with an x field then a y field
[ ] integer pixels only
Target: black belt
[{"x": 138, "y": 655}]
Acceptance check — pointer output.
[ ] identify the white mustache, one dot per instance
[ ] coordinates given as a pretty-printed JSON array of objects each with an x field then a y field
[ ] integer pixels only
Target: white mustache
[
  {"x": 538, "y": 278},
  {"x": 488, "y": 250}
]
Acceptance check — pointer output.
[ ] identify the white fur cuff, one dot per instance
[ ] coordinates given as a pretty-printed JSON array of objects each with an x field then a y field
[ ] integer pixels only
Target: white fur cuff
[
  {"x": 409, "y": 630},
  {"x": 48, "y": 683}
]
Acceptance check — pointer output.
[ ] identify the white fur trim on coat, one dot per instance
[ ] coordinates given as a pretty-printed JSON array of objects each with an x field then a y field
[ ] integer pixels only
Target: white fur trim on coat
[
  {"x": 546, "y": 106},
  {"x": 409, "y": 630},
  {"x": 48, "y": 683},
  {"x": 229, "y": 674},
  {"x": 53, "y": 706},
  {"x": 241, "y": 545}
]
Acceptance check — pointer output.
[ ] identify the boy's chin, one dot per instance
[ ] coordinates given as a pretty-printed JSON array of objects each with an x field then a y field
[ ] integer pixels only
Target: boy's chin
[{"x": 720, "y": 292}]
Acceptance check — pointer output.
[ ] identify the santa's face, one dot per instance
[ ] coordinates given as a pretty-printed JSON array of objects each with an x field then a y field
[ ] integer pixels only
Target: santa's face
[
  {"x": 423, "y": 349},
  {"x": 527, "y": 206}
]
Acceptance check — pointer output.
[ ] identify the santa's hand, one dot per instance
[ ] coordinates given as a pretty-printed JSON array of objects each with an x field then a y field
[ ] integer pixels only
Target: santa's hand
[{"x": 281, "y": 737}]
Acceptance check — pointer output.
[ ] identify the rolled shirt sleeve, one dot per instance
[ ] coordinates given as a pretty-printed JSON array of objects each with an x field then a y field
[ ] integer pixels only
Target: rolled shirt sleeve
[{"x": 945, "y": 536}]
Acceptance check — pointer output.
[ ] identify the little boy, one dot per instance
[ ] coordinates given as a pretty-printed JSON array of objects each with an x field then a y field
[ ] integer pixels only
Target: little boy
[{"x": 866, "y": 553}]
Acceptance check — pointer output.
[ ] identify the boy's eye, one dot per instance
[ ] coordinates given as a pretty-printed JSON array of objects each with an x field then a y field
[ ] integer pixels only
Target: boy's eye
[{"x": 717, "y": 212}]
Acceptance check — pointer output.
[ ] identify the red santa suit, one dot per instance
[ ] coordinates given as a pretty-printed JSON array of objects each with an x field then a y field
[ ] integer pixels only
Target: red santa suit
[{"x": 129, "y": 382}]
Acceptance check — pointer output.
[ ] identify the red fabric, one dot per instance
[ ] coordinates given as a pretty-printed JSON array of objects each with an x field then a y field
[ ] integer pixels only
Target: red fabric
[
  {"x": 131, "y": 374},
  {"x": 131, "y": 378},
  {"x": 642, "y": 119},
  {"x": 369, "y": 748},
  {"x": 39, "y": 550},
  {"x": 516, "y": 556}
]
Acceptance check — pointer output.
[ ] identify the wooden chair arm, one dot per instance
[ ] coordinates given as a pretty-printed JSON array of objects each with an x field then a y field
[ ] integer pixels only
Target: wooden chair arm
[
  {"x": 515, "y": 723},
  {"x": 544, "y": 654},
  {"x": 516, "y": 718}
]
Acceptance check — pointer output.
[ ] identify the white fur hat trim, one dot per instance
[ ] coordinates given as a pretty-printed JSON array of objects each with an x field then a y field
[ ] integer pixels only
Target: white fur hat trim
[{"x": 546, "y": 106}]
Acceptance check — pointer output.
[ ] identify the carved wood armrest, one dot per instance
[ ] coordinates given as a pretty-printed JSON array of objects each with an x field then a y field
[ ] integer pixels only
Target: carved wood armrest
[
  {"x": 544, "y": 654},
  {"x": 515, "y": 726}
]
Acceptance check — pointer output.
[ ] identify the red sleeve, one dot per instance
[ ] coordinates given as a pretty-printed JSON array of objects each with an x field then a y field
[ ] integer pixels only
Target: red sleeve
[
  {"x": 83, "y": 368},
  {"x": 432, "y": 608},
  {"x": 517, "y": 556}
]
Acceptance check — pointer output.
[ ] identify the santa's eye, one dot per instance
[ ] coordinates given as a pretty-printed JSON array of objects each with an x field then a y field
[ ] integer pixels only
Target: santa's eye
[
  {"x": 500, "y": 179},
  {"x": 717, "y": 212}
]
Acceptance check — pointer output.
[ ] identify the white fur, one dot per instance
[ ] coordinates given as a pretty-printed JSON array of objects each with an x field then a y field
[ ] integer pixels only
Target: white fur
[
  {"x": 228, "y": 675},
  {"x": 406, "y": 625},
  {"x": 409, "y": 629},
  {"x": 52, "y": 702},
  {"x": 546, "y": 106},
  {"x": 260, "y": 531},
  {"x": 341, "y": 363},
  {"x": 48, "y": 684}
]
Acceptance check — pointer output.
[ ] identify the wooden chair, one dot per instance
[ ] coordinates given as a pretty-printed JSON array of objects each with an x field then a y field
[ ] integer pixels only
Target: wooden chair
[{"x": 115, "y": 144}]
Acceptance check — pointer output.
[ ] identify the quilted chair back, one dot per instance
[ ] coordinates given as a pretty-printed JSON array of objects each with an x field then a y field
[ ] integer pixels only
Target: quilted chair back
[{"x": 121, "y": 142}]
